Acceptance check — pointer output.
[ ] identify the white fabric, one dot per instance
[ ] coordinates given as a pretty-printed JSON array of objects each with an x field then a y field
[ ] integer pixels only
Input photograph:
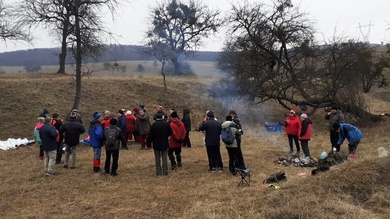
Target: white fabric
[{"x": 13, "y": 142}]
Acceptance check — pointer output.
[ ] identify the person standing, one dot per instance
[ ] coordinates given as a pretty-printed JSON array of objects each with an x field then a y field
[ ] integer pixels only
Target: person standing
[
  {"x": 112, "y": 137},
  {"x": 232, "y": 149},
  {"x": 41, "y": 122},
  {"x": 143, "y": 127},
  {"x": 160, "y": 111},
  {"x": 57, "y": 123},
  {"x": 44, "y": 113},
  {"x": 48, "y": 135},
  {"x": 176, "y": 140},
  {"x": 130, "y": 126},
  {"x": 213, "y": 131},
  {"x": 71, "y": 130},
  {"x": 334, "y": 116},
  {"x": 293, "y": 127},
  {"x": 121, "y": 124},
  {"x": 351, "y": 133},
  {"x": 305, "y": 134},
  {"x": 95, "y": 132},
  {"x": 187, "y": 123},
  {"x": 158, "y": 137},
  {"x": 237, "y": 121},
  {"x": 106, "y": 120}
]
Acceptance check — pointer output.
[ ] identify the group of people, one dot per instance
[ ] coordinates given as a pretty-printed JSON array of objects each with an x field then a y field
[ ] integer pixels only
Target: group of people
[
  {"x": 52, "y": 134},
  {"x": 299, "y": 128}
]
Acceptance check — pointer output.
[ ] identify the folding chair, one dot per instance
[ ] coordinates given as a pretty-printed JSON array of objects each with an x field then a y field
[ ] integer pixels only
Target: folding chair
[{"x": 245, "y": 176}]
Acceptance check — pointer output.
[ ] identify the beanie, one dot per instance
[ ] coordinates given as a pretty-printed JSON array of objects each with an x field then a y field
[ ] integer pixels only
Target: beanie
[
  {"x": 73, "y": 115},
  {"x": 142, "y": 106},
  {"x": 41, "y": 119},
  {"x": 55, "y": 115},
  {"x": 121, "y": 111},
  {"x": 128, "y": 112},
  {"x": 45, "y": 111},
  {"x": 229, "y": 118},
  {"x": 292, "y": 111},
  {"x": 96, "y": 115},
  {"x": 135, "y": 110},
  {"x": 158, "y": 116},
  {"x": 335, "y": 107},
  {"x": 336, "y": 126},
  {"x": 232, "y": 112},
  {"x": 303, "y": 115},
  {"x": 174, "y": 114}
]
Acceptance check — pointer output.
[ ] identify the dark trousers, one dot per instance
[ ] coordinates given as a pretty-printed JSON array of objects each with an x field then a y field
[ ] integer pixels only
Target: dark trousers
[
  {"x": 290, "y": 142},
  {"x": 124, "y": 143},
  {"x": 40, "y": 151},
  {"x": 177, "y": 152},
  {"x": 115, "y": 157},
  {"x": 187, "y": 142},
  {"x": 352, "y": 147},
  {"x": 240, "y": 157},
  {"x": 160, "y": 157},
  {"x": 305, "y": 147},
  {"x": 214, "y": 156},
  {"x": 334, "y": 138},
  {"x": 59, "y": 152},
  {"x": 234, "y": 159}
]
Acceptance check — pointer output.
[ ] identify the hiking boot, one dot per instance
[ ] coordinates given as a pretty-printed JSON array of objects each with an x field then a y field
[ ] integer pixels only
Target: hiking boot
[
  {"x": 174, "y": 166},
  {"x": 50, "y": 174},
  {"x": 179, "y": 165},
  {"x": 65, "y": 166},
  {"x": 72, "y": 168},
  {"x": 41, "y": 158},
  {"x": 114, "y": 174},
  {"x": 212, "y": 169}
]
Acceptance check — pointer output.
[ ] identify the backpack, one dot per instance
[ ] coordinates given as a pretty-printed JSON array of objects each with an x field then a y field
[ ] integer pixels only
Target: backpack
[
  {"x": 227, "y": 136},
  {"x": 276, "y": 177},
  {"x": 111, "y": 138}
]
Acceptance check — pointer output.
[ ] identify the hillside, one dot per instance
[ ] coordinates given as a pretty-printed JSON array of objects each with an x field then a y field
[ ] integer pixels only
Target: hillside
[
  {"x": 114, "y": 53},
  {"x": 358, "y": 188}
]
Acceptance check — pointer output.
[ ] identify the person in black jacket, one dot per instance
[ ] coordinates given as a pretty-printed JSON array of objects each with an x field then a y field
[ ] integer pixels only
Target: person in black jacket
[
  {"x": 48, "y": 135},
  {"x": 213, "y": 131},
  {"x": 121, "y": 124},
  {"x": 187, "y": 123},
  {"x": 71, "y": 130},
  {"x": 112, "y": 150},
  {"x": 158, "y": 138}
]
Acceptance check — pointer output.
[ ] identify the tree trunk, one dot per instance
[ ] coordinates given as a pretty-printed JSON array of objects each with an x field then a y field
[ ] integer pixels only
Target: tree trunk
[
  {"x": 176, "y": 66},
  {"x": 77, "y": 98},
  {"x": 63, "y": 54},
  {"x": 163, "y": 74}
]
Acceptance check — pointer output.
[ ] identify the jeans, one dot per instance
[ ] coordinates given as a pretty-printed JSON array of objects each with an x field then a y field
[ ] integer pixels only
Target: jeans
[
  {"x": 158, "y": 156},
  {"x": 70, "y": 150},
  {"x": 49, "y": 160}
]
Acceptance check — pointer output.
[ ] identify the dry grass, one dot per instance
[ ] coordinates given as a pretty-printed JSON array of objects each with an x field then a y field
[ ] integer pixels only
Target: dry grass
[{"x": 356, "y": 189}]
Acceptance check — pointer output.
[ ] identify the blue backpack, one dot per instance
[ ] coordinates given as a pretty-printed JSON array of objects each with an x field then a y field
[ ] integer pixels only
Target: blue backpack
[{"x": 227, "y": 136}]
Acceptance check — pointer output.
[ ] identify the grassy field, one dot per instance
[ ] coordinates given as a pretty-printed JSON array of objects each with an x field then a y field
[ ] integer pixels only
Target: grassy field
[{"x": 358, "y": 188}]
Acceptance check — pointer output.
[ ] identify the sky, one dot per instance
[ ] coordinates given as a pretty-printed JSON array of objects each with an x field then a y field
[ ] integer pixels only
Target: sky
[{"x": 358, "y": 19}]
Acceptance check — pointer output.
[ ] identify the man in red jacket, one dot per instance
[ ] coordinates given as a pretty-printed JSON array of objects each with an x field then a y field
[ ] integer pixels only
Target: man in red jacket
[{"x": 176, "y": 141}]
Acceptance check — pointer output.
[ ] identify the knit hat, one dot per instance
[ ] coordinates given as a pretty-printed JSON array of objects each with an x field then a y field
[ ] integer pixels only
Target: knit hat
[
  {"x": 335, "y": 107},
  {"x": 135, "y": 110},
  {"x": 96, "y": 115},
  {"x": 45, "y": 111},
  {"x": 159, "y": 116},
  {"x": 56, "y": 115},
  {"x": 121, "y": 111},
  {"x": 336, "y": 126},
  {"x": 142, "y": 106},
  {"x": 174, "y": 114},
  {"x": 210, "y": 113},
  {"x": 47, "y": 119},
  {"x": 292, "y": 111},
  {"x": 128, "y": 112},
  {"x": 229, "y": 118},
  {"x": 41, "y": 119},
  {"x": 303, "y": 115}
]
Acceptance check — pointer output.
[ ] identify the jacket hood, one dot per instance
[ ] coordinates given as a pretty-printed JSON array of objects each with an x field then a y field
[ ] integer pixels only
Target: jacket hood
[
  {"x": 93, "y": 121},
  {"x": 39, "y": 125},
  {"x": 227, "y": 124},
  {"x": 176, "y": 121}
]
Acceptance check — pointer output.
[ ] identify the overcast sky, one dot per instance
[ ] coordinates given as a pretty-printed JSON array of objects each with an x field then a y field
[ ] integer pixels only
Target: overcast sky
[{"x": 342, "y": 16}]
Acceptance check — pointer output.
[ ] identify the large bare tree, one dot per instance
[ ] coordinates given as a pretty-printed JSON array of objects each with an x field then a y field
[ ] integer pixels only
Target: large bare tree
[
  {"x": 8, "y": 29},
  {"x": 270, "y": 53},
  {"x": 181, "y": 26}
]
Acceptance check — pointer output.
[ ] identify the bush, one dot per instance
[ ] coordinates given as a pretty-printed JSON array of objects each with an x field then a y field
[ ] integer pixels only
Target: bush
[{"x": 140, "y": 68}]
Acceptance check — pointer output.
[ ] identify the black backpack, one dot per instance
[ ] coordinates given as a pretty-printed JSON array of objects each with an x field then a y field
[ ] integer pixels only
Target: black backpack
[
  {"x": 227, "y": 136},
  {"x": 276, "y": 177},
  {"x": 111, "y": 138}
]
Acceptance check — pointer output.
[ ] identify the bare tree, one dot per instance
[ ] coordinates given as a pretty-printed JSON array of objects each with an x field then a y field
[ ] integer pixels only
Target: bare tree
[
  {"x": 181, "y": 26},
  {"x": 271, "y": 54},
  {"x": 8, "y": 29}
]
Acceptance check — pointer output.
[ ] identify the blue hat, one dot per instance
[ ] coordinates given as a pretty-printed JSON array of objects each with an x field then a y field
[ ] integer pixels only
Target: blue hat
[
  {"x": 97, "y": 115},
  {"x": 142, "y": 106}
]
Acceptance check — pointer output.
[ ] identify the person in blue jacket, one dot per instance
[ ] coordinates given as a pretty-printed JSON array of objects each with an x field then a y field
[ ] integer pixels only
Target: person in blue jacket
[
  {"x": 351, "y": 133},
  {"x": 95, "y": 132}
]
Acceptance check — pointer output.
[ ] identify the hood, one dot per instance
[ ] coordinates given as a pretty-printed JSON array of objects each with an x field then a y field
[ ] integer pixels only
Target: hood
[
  {"x": 93, "y": 121},
  {"x": 186, "y": 111},
  {"x": 227, "y": 124},
  {"x": 39, "y": 125},
  {"x": 176, "y": 121}
]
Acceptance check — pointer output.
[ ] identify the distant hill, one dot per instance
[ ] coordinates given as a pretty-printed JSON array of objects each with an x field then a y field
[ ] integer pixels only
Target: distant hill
[{"x": 49, "y": 56}]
